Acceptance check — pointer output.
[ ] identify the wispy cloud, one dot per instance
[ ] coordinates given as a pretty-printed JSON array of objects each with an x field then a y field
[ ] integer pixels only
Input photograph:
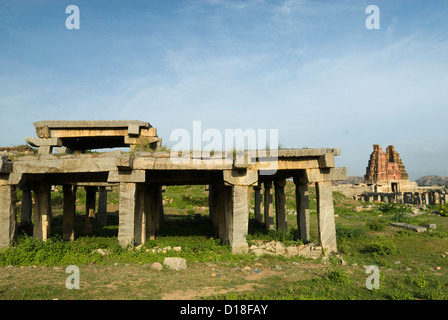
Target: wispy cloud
[{"x": 307, "y": 68}]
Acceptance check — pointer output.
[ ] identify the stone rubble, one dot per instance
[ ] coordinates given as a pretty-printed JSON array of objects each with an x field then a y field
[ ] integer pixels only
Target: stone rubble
[{"x": 310, "y": 250}]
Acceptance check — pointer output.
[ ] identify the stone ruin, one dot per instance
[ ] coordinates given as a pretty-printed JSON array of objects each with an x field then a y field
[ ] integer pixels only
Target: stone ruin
[
  {"x": 386, "y": 180},
  {"x": 386, "y": 172},
  {"x": 141, "y": 175}
]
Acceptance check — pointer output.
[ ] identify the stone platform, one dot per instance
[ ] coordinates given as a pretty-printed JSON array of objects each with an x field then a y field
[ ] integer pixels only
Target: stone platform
[{"x": 141, "y": 176}]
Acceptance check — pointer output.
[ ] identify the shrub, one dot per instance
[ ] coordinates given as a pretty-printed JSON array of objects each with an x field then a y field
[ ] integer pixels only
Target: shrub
[
  {"x": 382, "y": 248},
  {"x": 417, "y": 279},
  {"x": 343, "y": 232},
  {"x": 375, "y": 226},
  {"x": 444, "y": 210},
  {"x": 393, "y": 207},
  {"x": 338, "y": 276}
]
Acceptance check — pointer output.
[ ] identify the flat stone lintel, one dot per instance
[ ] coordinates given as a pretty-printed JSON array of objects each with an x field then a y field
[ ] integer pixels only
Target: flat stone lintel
[
  {"x": 324, "y": 174},
  {"x": 44, "y": 142}
]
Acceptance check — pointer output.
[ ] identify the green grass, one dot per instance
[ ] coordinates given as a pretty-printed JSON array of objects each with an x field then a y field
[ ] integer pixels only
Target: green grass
[{"x": 412, "y": 265}]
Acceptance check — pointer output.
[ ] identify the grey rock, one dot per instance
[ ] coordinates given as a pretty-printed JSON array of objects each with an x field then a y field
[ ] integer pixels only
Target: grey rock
[
  {"x": 176, "y": 264},
  {"x": 157, "y": 266}
]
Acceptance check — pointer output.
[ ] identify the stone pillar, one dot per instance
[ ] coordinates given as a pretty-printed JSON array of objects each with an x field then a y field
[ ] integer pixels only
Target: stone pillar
[
  {"x": 90, "y": 209},
  {"x": 69, "y": 212},
  {"x": 161, "y": 209},
  {"x": 258, "y": 201},
  {"x": 303, "y": 211},
  {"x": 102, "y": 207},
  {"x": 158, "y": 208},
  {"x": 437, "y": 197},
  {"x": 222, "y": 209},
  {"x": 227, "y": 215},
  {"x": 128, "y": 199},
  {"x": 432, "y": 198},
  {"x": 280, "y": 205},
  {"x": 400, "y": 198},
  {"x": 238, "y": 223},
  {"x": 42, "y": 211},
  {"x": 325, "y": 216},
  {"x": 268, "y": 210},
  {"x": 237, "y": 218},
  {"x": 151, "y": 211},
  {"x": 426, "y": 195},
  {"x": 209, "y": 188},
  {"x": 27, "y": 208},
  {"x": 442, "y": 198},
  {"x": 140, "y": 217},
  {"x": 8, "y": 213},
  {"x": 211, "y": 208}
]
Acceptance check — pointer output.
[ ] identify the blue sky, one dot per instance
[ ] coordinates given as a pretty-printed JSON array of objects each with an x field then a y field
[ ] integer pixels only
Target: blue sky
[{"x": 310, "y": 69}]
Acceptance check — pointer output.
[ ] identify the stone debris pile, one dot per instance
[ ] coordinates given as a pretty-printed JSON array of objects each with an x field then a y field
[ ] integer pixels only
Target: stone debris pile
[{"x": 310, "y": 250}]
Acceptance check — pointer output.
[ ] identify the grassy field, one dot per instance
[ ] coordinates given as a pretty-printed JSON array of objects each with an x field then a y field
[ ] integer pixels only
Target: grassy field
[{"x": 412, "y": 265}]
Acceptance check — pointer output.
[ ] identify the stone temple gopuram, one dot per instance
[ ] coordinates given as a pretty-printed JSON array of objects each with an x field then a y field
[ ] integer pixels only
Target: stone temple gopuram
[
  {"x": 386, "y": 180},
  {"x": 386, "y": 172},
  {"x": 141, "y": 175}
]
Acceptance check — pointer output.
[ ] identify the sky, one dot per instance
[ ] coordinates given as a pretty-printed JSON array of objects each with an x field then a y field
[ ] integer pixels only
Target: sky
[{"x": 310, "y": 69}]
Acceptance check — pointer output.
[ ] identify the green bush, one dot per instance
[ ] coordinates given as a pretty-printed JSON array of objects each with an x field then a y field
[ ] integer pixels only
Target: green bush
[
  {"x": 444, "y": 210},
  {"x": 382, "y": 248},
  {"x": 417, "y": 279},
  {"x": 338, "y": 276},
  {"x": 344, "y": 233},
  {"x": 375, "y": 226},
  {"x": 57, "y": 198},
  {"x": 393, "y": 207}
]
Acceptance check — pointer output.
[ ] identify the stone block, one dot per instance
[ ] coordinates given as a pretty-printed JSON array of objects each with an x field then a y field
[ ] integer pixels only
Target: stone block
[
  {"x": 44, "y": 142},
  {"x": 5, "y": 164},
  {"x": 124, "y": 161},
  {"x": 326, "y": 160},
  {"x": 43, "y": 131},
  {"x": 326, "y": 174},
  {"x": 409, "y": 226},
  {"x": 176, "y": 264},
  {"x": 240, "y": 177},
  {"x": 291, "y": 251},
  {"x": 149, "y": 132},
  {"x": 134, "y": 129}
]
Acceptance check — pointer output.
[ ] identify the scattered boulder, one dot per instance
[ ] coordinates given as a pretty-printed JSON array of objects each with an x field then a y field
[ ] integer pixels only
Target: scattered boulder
[
  {"x": 157, "y": 266},
  {"x": 176, "y": 264}
]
